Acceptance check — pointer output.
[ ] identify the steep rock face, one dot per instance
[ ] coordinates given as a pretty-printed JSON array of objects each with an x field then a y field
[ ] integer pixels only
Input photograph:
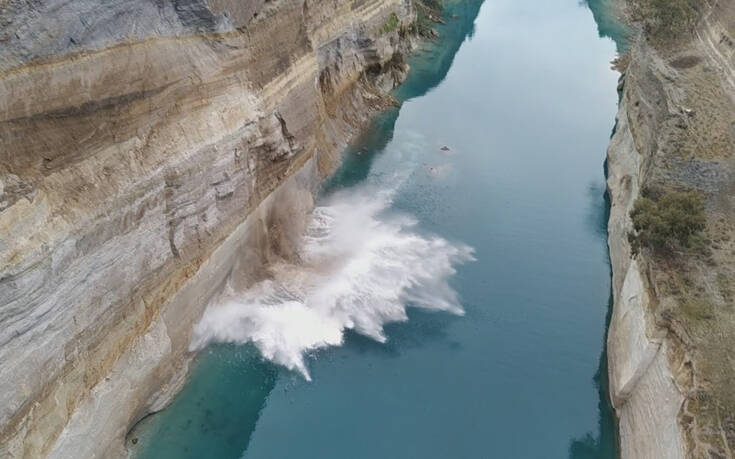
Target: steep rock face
[
  {"x": 642, "y": 387},
  {"x": 674, "y": 132},
  {"x": 150, "y": 153}
]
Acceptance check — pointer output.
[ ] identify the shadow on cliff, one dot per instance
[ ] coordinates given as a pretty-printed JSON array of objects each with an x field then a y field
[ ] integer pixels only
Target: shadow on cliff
[
  {"x": 429, "y": 67},
  {"x": 598, "y": 211},
  {"x": 603, "y": 445}
]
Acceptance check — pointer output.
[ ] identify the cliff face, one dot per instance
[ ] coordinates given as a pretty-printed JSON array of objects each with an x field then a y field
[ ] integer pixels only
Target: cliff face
[
  {"x": 150, "y": 154},
  {"x": 673, "y": 322}
]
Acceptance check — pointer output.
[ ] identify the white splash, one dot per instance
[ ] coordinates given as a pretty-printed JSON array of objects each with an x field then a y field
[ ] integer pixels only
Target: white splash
[{"x": 359, "y": 270}]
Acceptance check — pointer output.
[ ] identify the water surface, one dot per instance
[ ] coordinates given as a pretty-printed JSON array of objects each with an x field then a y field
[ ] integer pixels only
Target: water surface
[{"x": 522, "y": 95}]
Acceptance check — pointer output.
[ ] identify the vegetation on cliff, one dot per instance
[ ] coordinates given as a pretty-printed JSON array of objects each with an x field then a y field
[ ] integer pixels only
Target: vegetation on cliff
[
  {"x": 391, "y": 24},
  {"x": 674, "y": 221},
  {"x": 680, "y": 106}
]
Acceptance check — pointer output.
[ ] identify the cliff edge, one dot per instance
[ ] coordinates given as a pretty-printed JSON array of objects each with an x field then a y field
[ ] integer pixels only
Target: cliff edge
[
  {"x": 673, "y": 323},
  {"x": 151, "y": 153}
]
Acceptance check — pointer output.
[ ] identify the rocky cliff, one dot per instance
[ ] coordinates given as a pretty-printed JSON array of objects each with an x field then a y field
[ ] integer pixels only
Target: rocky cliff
[
  {"x": 673, "y": 322},
  {"x": 151, "y": 153}
]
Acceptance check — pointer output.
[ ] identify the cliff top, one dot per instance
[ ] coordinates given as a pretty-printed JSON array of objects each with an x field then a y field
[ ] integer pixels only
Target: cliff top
[{"x": 686, "y": 72}]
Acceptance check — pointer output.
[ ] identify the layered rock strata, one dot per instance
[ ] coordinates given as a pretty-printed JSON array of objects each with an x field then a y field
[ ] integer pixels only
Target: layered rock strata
[{"x": 152, "y": 152}]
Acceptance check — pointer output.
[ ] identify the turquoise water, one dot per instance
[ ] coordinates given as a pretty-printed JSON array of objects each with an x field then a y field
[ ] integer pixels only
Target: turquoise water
[
  {"x": 522, "y": 95},
  {"x": 608, "y": 24}
]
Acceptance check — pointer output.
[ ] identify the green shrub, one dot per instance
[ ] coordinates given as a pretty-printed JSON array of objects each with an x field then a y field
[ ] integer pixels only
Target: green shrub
[
  {"x": 391, "y": 24},
  {"x": 675, "y": 221}
]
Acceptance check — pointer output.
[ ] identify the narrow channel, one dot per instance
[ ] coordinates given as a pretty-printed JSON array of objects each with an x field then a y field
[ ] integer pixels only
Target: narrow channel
[{"x": 488, "y": 182}]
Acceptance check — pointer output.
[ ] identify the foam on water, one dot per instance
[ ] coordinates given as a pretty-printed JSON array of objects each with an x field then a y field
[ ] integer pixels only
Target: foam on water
[{"x": 359, "y": 269}]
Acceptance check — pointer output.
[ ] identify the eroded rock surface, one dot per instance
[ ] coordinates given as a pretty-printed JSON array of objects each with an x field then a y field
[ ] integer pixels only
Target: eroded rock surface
[
  {"x": 150, "y": 153},
  {"x": 671, "y": 376}
]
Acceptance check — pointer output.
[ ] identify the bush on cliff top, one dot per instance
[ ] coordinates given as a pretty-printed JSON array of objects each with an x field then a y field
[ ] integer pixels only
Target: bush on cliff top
[{"x": 675, "y": 221}]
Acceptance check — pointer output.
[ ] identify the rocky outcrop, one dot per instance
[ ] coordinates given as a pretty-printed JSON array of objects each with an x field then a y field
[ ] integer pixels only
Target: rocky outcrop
[
  {"x": 150, "y": 154},
  {"x": 642, "y": 387},
  {"x": 668, "y": 380}
]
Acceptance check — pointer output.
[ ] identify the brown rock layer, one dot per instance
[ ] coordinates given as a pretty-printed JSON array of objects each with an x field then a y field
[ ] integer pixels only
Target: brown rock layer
[{"x": 149, "y": 153}]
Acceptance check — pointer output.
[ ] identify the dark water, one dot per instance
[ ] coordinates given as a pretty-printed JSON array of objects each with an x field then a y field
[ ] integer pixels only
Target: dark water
[{"x": 522, "y": 94}]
